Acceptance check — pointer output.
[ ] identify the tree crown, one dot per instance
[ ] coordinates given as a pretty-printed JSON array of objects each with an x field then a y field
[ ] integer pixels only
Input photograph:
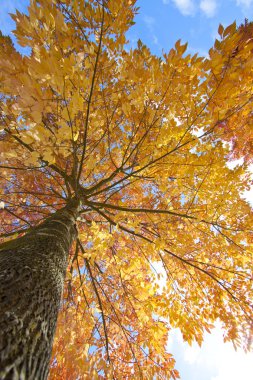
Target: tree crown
[{"x": 144, "y": 142}]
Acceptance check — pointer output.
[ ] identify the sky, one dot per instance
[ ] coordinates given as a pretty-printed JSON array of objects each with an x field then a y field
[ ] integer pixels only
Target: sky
[{"x": 159, "y": 24}]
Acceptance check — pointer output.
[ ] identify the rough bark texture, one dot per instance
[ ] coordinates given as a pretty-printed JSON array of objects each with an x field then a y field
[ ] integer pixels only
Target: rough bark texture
[{"x": 32, "y": 271}]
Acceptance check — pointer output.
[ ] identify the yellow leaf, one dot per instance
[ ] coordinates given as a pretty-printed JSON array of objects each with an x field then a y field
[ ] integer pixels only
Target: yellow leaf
[{"x": 48, "y": 156}]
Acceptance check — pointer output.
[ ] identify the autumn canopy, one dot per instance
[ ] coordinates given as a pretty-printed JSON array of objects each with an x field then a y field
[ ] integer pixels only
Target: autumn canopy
[{"x": 144, "y": 143}]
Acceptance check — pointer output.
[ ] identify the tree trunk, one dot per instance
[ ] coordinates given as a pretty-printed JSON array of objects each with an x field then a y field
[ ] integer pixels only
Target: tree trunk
[{"x": 32, "y": 271}]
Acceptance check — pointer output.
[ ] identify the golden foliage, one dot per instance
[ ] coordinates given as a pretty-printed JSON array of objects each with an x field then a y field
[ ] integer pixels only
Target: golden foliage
[{"x": 142, "y": 140}]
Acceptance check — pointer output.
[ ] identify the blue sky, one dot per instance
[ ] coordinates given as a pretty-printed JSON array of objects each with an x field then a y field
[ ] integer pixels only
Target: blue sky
[{"x": 159, "y": 24}]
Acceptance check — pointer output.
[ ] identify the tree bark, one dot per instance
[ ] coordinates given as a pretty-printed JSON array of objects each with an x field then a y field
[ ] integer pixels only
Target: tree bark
[{"x": 32, "y": 272}]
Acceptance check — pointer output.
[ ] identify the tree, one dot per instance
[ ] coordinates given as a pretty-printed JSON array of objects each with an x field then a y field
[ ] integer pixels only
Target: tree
[
  {"x": 241, "y": 147},
  {"x": 125, "y": 154}
]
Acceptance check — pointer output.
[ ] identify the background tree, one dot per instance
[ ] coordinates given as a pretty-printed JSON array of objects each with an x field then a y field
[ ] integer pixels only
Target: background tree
[
  {"x": 241, "y": 147},
  {"x": 140, "y": 142}
]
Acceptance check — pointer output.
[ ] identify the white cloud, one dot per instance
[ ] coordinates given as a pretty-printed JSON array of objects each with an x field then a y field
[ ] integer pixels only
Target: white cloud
[
  {"x": 201, "y": 52},
  {"x": 150, "y": 24},
  {"x": 214, "y": 360},
  {"x": 232, "y": 164},
  {"x": 186, "y": 7},
  {"x": 248, "y": 194},
  {"x": 149, "y": 21},
  {"x": 244, "y": 3},
  {"x": 208, "y": 7},
  {"x": 246, "y": 7}
]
